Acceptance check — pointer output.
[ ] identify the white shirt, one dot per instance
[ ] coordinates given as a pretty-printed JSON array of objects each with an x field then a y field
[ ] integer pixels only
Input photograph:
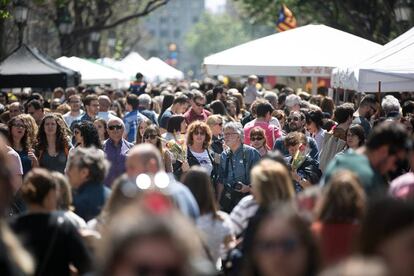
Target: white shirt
[
  {"x": 204, "y": 160},
  {"x": 215, "y": 231},
  {"x": 106, "y": 116},
  {"x": 319, "y": 136},
  {"x": 69, "y": 119}
]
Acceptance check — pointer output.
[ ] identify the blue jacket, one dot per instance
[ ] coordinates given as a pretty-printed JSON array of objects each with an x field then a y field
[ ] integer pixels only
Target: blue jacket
[{"x": 89, "y": 199}]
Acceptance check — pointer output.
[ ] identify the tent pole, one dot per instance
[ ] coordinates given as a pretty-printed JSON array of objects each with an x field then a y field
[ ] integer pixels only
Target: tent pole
[
  {"x": 379, "y": 97},
  {"x": 314, "y": 84}
]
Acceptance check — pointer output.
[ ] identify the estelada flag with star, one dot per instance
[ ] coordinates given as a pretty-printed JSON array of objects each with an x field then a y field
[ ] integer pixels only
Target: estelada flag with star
[{"x": 286, "y": 20}]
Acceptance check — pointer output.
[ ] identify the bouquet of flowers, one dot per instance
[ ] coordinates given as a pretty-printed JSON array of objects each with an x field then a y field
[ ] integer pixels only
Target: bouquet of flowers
[
  {"x": 299, "y": 157},
  {"x": 178, "y": 149}
]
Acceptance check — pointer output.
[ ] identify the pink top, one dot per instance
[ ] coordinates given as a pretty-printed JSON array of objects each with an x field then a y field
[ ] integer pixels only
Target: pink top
[{"x": 272, "y": 132}]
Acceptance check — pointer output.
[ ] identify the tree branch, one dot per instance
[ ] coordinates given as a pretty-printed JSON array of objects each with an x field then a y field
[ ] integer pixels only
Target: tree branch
[{"x": 151, "y": 6}]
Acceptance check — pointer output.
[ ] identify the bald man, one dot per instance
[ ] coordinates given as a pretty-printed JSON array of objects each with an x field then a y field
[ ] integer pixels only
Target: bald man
[
  {"x": 146, "y": 159},
  {"x": 104, "y": 105}
]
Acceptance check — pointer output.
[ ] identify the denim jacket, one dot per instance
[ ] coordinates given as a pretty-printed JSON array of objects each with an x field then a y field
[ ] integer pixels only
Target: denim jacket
[{"x": 237, "y": 164}]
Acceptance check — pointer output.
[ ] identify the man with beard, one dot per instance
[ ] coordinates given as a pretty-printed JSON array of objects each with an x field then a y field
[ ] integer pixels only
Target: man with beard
[
  {"x": 296, "y": 122},
  {"x": 367, "y": 108}
]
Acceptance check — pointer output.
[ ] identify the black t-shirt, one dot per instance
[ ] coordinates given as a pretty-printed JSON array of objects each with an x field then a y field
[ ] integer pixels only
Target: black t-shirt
[{"x": 53, "y": 242}]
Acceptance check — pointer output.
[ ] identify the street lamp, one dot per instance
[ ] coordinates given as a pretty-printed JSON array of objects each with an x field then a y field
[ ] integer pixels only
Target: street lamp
[
  {"x": 402, "y": 11},
  {"x": 95, "y": 37},
  {"x": 20, "y": 16}
]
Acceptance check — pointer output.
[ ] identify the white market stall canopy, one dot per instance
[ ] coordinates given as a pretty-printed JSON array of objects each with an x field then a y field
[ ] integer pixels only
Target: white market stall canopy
[
  {"x": 94, "y": 73},
  {"x": 153, "y": 69},
  {"x": 312, "y": 50},
  {"x": 393, "y": 65},
  {"x": 164, "y": 70}
]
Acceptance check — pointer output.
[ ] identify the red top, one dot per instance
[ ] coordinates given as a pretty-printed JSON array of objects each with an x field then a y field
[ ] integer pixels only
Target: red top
[
  {"x": 336, "y": 241},
  {"x": 191, "y": 116}
]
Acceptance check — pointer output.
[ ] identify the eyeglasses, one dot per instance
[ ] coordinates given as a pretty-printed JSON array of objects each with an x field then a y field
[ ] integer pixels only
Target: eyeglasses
[
  {"x": 199, "y": 133},
  {"x": 117, "y": 127},
  {"x": 287, "y": 245},
  {"x": 19, "y": 126},
  {"x": 293, "y": 119},
  {"x": 150, "y": 136},
  {"x": 256, "y": 138},
  {"x": 230, "y": 134}
]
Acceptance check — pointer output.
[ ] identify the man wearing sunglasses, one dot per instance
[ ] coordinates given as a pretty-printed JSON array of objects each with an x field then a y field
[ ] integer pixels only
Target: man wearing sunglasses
[
  {"x": 197, "y": 111},
  {"x": 116, "y": 149},
  {"x": 296, "y": 122}
]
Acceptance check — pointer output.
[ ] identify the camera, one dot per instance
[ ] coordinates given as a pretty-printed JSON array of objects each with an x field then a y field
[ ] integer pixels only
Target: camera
[{"x": 238, "y": 186}]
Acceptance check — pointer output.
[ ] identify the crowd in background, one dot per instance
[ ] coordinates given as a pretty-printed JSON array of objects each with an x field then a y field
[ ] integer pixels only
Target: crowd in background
[{"x": 200, "y": 178}]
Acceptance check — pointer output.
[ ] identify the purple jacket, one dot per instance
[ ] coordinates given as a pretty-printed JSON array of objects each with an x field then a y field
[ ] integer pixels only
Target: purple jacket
[{"x": 117, "y": 156}]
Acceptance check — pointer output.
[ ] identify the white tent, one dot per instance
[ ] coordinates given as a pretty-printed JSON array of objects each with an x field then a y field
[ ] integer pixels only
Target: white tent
[
  {"x": 94, "y": 73},
  {"x": 134, "y": 63},
  {"x": 312, "y": 50},
  {"x": 393, "y": 65},
  {"x": 164, "y": 70}
]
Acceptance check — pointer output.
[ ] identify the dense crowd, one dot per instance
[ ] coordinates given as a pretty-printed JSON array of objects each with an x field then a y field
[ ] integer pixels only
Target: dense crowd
[{"x": 201, "y": 178}]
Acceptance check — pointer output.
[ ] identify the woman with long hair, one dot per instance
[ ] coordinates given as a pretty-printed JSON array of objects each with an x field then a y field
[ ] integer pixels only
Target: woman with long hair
[
  {"x": 101, "y": 126},
  {"x": 53, "y": 145},
  {"x": 215, "y": 224},
  {"x": 20, "y": 141},
  {"x": 152, "y": 135},
  {"x": 339, "y": 212},
  {"x": 143, "y": 124},
  {"x": 86, "y": 135}
]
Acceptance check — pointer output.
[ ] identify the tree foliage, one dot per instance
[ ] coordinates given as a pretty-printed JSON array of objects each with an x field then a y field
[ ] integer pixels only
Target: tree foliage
[
  {"x": 214, "y": 33},
  {"x": 372, "y": 19}
]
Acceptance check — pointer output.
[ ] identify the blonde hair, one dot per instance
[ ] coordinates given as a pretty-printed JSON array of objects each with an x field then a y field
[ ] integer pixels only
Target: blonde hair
[
  {"x": 271, "y": 182},
  {"x": 213, "y": 120}
]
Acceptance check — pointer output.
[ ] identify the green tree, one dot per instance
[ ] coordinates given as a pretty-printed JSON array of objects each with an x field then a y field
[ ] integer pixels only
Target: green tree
[
  {"x": 214, "y": 33},
  {"x": 371, "y": 19}
]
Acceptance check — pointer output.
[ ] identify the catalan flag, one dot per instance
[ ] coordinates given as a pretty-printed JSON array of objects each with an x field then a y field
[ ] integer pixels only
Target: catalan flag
[{"x": 286, "y": 20}]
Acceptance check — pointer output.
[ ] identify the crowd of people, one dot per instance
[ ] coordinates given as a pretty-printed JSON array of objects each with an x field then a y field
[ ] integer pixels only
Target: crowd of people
[{"x": 197, "y": 178}]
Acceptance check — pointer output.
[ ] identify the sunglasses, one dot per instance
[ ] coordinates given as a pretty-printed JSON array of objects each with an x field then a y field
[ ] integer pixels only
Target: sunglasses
[
  {"x": 287, "y": 245},
  {"x": 293, "y": 119},
  {"x": 154, "y": 270},
  {"x": 19, "y": 126},
  {"x": 117, "y": 127},
  {"x": 150, "y": 136},
  {"x": 256, "y": 138}
]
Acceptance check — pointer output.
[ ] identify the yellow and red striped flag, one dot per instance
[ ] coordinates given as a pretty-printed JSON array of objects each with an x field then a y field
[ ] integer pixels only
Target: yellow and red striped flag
[{"x": 286, "y": 20}]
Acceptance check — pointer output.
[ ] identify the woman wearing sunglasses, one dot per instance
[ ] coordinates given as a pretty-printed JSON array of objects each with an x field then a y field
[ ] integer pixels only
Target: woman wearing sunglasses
[
  {"x": 152, "y": 136},
  {"x": 198, "y": 153},
  {"x": 258, "y": 140},
  {"x": 20, "y": 141},
  {"x": 86, "y": 135}
]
